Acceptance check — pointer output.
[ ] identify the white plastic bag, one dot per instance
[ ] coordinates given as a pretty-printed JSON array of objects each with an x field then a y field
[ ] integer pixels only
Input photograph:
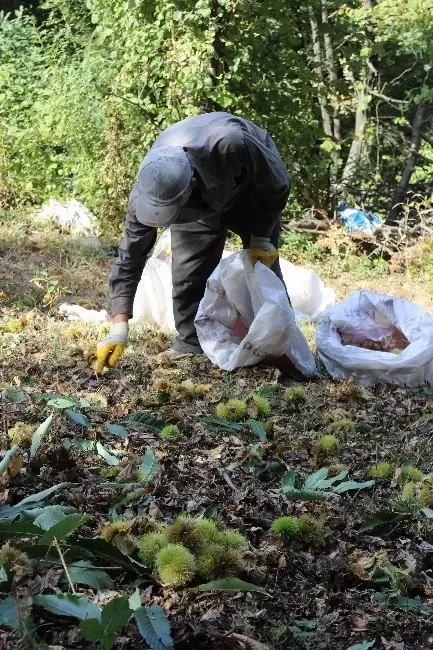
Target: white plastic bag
[
  {"x": 153, "y": 301},
  {"x": 377, "y": 338},
  {"x": 245, "y": 316},
  {"x": 308, "y": 294}
]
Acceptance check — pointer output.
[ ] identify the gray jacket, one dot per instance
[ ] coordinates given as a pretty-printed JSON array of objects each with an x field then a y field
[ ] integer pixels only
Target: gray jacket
[{"x": 233, "y": 158}]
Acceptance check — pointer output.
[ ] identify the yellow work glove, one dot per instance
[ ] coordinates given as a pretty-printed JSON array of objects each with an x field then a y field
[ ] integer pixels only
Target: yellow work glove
[
  {"x": 111, "y": 348},
  {"x": 261, "y": 250}
]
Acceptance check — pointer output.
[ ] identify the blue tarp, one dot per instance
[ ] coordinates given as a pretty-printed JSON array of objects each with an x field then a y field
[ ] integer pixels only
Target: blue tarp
[{"x": 358, "y": 220}]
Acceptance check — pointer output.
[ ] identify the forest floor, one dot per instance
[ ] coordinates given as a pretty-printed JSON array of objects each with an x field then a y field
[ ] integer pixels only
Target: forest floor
[{"x": 351, "y": 584}]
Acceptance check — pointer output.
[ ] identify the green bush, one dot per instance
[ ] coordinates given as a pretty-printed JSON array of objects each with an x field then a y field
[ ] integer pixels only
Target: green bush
[{"x": 89, "y": 89}]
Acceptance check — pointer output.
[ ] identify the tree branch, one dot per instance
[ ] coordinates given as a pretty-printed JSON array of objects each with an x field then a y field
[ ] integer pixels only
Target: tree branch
[{"x": 376, "y": 93}]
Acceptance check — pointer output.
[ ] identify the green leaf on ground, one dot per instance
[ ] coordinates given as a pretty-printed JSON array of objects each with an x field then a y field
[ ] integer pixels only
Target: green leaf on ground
[
  {"x": 382, "y": 518},
  {"x": 307, "y": 495},
  {"x": 109, "y": 458},
  {"x": 91, "y": 629},
  {"x": 318, "y": 487},
  {"x": 228, "y": 584},
  {"x": 41, "y": 496},
  {"x": 78, "y": 418},
  {"x": 14, "y": 395},
  {"x": 352, "y": 485},
  {"x": 79, "y": 607},
  {"x": 39, "y": 433},
  {"x": 9, "y": 513},
  {"x": 154, "y": 627},
  {"x": 50, "y": 515},
  {"x": 60, "y": 402},
  {"x": 80, "y": 444},
  {"x": 258, "y": 429},
  {"x": 407, "y": 604},
  {"x": 289, "y": 479},
  {"x": 102, "y": 549},
  {"x": 85, "y": 573},
  {"x": 149, "y": 466},
  {"x": 15, "y": 615},
  {"x": 19, "y": 529},
  {"x": 223, "y": 425},
  {"x": 146, "y": 420},
  {"x": 135, "y": 600},
  {"x": 313, "y": 481},
  {"x": 117, "y": 430},
  {"x": 63, "y": 528},
  {"x": 270, "y": 391},
  {"x": 114, "y": 617},
  {"x": 9, "y": 614}
]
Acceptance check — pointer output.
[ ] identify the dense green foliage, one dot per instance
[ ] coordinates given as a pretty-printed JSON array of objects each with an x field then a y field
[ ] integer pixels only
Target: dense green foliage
[{"x": 86, "y": 85}]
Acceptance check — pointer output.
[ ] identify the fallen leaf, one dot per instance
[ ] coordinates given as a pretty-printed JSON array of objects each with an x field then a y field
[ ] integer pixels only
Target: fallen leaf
[
  {"x": 251, "y": 644},
  {"x": 359, "y": 624},
  {"x": 97, "y": 398},
  {"x": 13, "y": 468}
]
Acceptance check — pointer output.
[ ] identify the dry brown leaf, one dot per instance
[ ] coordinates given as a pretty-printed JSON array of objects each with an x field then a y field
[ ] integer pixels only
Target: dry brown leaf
[
  {"x": 98, "y": 398},
  {"x": 359, "y": 624},
  {"x": 359, "y": 565},
  {"x": 282, "y": 562},
  {"x": 13, "y": 468},
  {"x": 4, "y": 496},
  {"x": 251, "y": 644},
  {"x": 215, "y": 453}
]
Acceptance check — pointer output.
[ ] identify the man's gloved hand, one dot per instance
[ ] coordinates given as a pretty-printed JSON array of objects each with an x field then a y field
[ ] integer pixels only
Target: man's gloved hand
[
  {"x": 261, "y": 250},
  {"x": 111, "y": 348}
]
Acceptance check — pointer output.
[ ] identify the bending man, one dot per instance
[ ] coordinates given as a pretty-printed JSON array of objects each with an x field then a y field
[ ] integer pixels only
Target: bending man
[{"x": 202, "y": 177}]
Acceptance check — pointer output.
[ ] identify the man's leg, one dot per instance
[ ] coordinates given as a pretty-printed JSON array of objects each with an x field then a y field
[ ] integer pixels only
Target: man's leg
[{"x": 197, "y": 249}]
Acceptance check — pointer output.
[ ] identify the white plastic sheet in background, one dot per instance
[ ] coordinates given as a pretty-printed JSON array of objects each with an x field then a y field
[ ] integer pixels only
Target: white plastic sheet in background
[
  {"x": 375, "y": 320},
  {"x": 153, "y": 302},
  {"x": 72, "y": 215},
  {"x": 76, "y": 313},
  {"x": 245, "y": 316}
]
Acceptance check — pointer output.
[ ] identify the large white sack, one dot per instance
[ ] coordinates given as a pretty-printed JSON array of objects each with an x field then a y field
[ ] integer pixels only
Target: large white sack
[
  {"x": 245, "y": 316},
  {"x": 382, "y": 322},
  {"x": 308, "y": 294},
  {"x": 153, "y": 301}
]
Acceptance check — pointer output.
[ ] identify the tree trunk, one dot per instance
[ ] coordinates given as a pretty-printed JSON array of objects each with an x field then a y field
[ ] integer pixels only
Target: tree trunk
[
  {"x": 417, "y": 135},
  {"x": 322, "y": 96},
  {"x": 332, "y": 72},
  {"x": 317, "y": 58},
  {"x": 357, "y": 148}
]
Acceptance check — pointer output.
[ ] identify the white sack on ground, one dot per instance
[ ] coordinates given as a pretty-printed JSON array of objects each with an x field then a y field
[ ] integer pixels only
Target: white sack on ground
[
  {"x": 153, "y": 299},
  {"x": 377, "y": 338},
  {"x": 153, "y": 302},
  {"x": 72, "y": 215},
  {"x": 245, "y": 316}
]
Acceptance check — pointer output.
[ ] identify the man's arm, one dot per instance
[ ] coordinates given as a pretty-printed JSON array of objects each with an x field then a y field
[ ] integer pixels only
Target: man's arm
[
  {"x": 125, "y": 274},
  {"x": 271, "y": 181}
]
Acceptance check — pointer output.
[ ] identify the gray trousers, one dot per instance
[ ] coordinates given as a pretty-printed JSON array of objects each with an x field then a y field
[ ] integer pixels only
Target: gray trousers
[{"x": 197, "y": 249}]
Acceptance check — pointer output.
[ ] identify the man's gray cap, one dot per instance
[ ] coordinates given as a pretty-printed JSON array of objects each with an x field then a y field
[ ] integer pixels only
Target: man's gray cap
[{"x": 163, "y": 186}]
